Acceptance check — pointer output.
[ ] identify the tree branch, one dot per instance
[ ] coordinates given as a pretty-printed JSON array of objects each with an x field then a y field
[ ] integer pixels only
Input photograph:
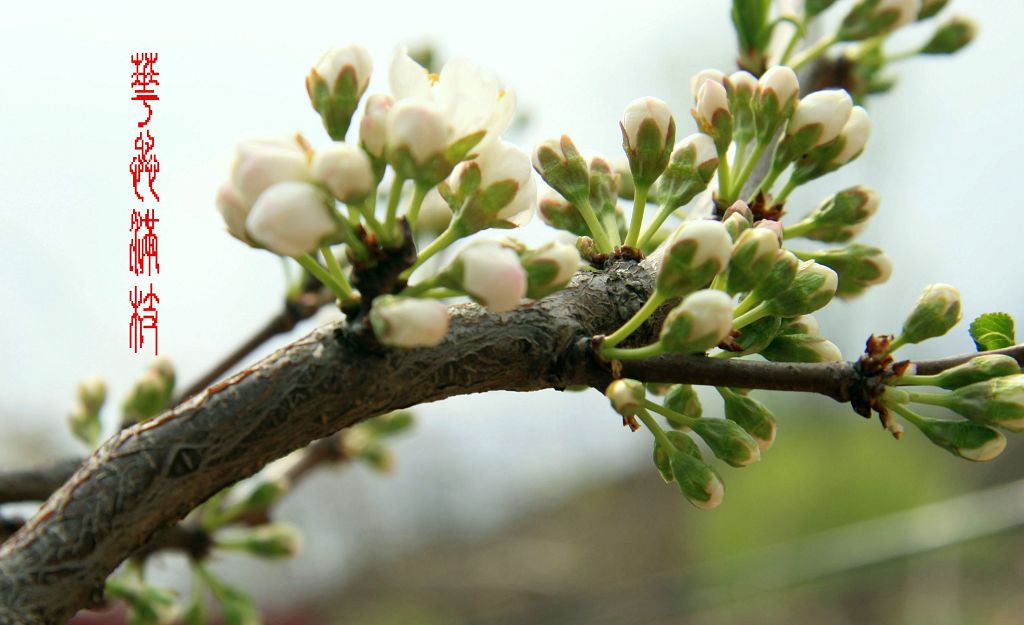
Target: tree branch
[{"x": 151, "y": 475}]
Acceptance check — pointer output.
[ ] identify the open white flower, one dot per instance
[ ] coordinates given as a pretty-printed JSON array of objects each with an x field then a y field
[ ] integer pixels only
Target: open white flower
[
  {"x": 291, "y": 218},
  {"x": 470, "y": 99}
]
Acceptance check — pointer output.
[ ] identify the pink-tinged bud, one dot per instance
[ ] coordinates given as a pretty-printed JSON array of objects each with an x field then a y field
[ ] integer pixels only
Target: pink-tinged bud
[
  {"x": 234, "y": 210},
  {"x": 742, "y": 83},
  {"x": 830, "y": 109},
  {"x": 493, "y": 275},
  {"x": 704, "y": 75},
  {"x": 373, "y": 126},
  {"x": 260, "y": 163},
  {"x": 419, "y": 127},
  {"x": 290, "y": 218},
  {"x": 772, "y": 226},
  {"x": 855, "y": 133},
  {"x": 345, "y": 170},
  {"x": 336, "y": 60},
  {"x": 435, "y": 214},
  {"x": 502, "y": 162},
  {"x": 782, "y": 81},
  {"x": 409, "y": 322}
]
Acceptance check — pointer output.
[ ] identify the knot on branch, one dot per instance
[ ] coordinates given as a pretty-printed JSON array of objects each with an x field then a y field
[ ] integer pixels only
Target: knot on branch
[{"x": 872, "y": 372}]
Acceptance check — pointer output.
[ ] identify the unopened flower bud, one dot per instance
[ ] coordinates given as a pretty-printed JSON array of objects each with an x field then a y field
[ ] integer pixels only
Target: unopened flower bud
[
  {"x": 816, "y": 7},
  {"x": 855, "y": 136},
  {"x": 966, "y": 439},
  {"x": 818, "y": 119},
  {"x": 698, "y": 482},
  {"x": 777, "y": 92},
  {"x": 801, "y": 348},
  {"x": 626, "y": 396},
  {"x": 680, "y": 443},
  {"x": 997, "y": 401},
  {"x": 345, "y": 171},
  {"x": 435, "y": 214},
  {"x": 701, "y": 321},
  {"x": 779, "y": 277},
  {"x": 929, "y": 8},
  {"x": 871, "y": 18},
  {"x": 804, "y": 324},
  {"x": 813, "y": 287},
  {"x": 504, "y": 189},
  {"x": 148, "y": 398},
  {"x": 490, "y": 273},
  {"x": 934, "y": 314},
  {"x": 859, "y": 266},
  {"x": 951, "y": 36},
  {"x": 549, "y": 268},
  {"x": 604, "y": 187},
  {"x": 408, "y": 321},
  {"x": 92, "y": 394},
  {"x": 559, "y": 213},
  {"x": 563, "y": 168},
  {"x": 373, "y": 131},
  {"x": 691, "y": 166},
  {"x": 728, "y": 441},
  {"x": 742, "y": 88},
  {"x": 648, "y": 132},
  {"x": 712, "y": 113},
  {"x": 336, "y": 84},
  {"x": 977, "y": 369},
  {"x": 273, "y": 540},
  {"x": 754, "y": 417},
  {"x": 259, "y": 164},
  {"x": 291, "y": 219},
  {"x": 755, "y": 336},
  {"x": 696, "y": 252},
  {"x": 753, "y": 255},
  {"x": 682, "y": 398},
  {"x": 697, "y": 80},
  {"x": 624, "y": 176},
  {"x": 840, "y": 217},
  {"x": 417, "y": 138}
]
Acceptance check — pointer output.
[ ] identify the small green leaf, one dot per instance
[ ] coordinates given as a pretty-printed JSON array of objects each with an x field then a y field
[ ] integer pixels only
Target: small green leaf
[{"x": 993, "y": 331}]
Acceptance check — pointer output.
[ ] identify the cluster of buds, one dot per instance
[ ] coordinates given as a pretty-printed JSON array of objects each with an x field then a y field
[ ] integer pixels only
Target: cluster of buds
[
  {"x": 151, "y": 394},
  {"x": 85, "y": 418}
]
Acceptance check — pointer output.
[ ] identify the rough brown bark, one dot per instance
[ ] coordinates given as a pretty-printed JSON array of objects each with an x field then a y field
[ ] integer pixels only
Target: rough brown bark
[{"x": 151, "y": 475}]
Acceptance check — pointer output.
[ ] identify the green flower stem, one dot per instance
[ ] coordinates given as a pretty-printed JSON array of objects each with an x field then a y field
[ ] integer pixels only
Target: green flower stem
[
  {"x": 442, "y": 292},
  {"x": 791, "y": 184},
  {"x": 611, "y": 228},
  {"x": 635, "y": 321},
  {"x": 932, "y": 399},
  {"x": 391, "y": 220},
  {"x": 358, "y": 248},
  {"x": 598, "y": 232},
  {"x": 414, "y": 206},
  {"x": 916, "y": 380},
  {"x": 367, "y": 209},
  {"x": 636, "y": 220},
  {"x": 768, "y": 181},
  {"x": 663, "y": 213},
  {"x": 718, "y": 283},
  {"x": 656, "y": 430},
  {"x": 415, "y": 290},
  {"x": 724, "y": 354},
  {"x": 335, "y": 268},
  {"x": 812, "y": 52},
  {"x": 897, "y": 343},
  {"x": 636, "y": 353},
  {"x": 342, "y": 291},
  {"x": 798, "y": 229},
  {"x": 443, "y": 240},
  {"x": 746, "y": 170},
  {"x": 745, "y": 304},
  {"x": 752, "y": 315},
  {"x": 668, "y": 413},
  {"x": 798, "y": 34},
  {"x": 724, "y": 177},
  {"x": 902, "y": 56},
  {"x": 904, "y": 411}
]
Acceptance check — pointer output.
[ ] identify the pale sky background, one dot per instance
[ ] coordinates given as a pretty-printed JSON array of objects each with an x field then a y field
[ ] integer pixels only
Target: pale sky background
[{"x": 945, "y": 156}]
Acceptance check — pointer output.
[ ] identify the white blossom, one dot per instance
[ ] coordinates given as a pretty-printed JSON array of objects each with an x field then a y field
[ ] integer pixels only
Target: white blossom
[
  {"x": 345, "y": 170},
  {"x": 335, "y": 60},
  {"x": 642, "y": 109},
  {"x": 829, "y": 108},
  {"x": 493, "y": 275},
  {"x": 290, "y": 218},
  {"x": 855, "y": 132},
  {"x": 409, "y": 322},
  {"x": 373, "y": 125}
]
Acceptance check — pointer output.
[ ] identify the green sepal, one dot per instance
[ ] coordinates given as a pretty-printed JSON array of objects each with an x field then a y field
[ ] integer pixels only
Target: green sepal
[
  {"x": 683, "y": 398},
  {"x": 754, "y": 417},
  {"x": 863, "y": 22},
  {"x": 728, "y": 441},
  {"x": 993, "y": 331},
  {"x": 677, "y": 276},
  {"x": 696, "y": 480},
  {"x": 966, "y": 439},
  {"x": 649, "y": 157},
  {"x": 997, "y": 402},
  {"x": 567, "y": 172},
  {"x": 779, "y": 277},
  {"x": 977, "y": 369},
  {"x": 758, "y": 335}
]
